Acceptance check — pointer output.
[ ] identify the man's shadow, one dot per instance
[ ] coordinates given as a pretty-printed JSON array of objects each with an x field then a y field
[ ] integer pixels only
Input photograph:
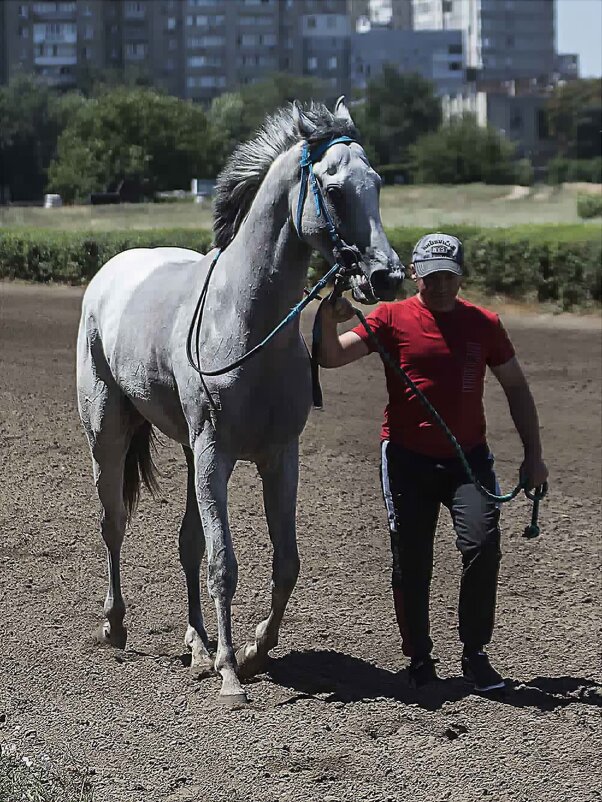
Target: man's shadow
[{"x": 342, "y": 678}]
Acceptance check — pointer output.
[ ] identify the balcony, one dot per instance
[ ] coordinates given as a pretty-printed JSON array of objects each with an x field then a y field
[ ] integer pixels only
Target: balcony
[{"x": 55, "y": 61}]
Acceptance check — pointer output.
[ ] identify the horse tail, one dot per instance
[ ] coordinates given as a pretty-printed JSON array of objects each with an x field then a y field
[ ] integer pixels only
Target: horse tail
[{"x": 139, "y": 465}]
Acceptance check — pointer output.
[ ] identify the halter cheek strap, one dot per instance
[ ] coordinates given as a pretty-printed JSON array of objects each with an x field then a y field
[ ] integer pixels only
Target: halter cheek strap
[{"x": 309, "y": 157}]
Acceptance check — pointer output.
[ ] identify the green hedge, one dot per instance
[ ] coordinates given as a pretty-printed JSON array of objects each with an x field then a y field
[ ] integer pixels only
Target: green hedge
[
  {"x": 561, "y": 170},
  {"x": 589, "y": 206},
  {"x": 557, "y": 264},
  {"x": 74, "y": 257},
  {"x": 560, "y": 265}
]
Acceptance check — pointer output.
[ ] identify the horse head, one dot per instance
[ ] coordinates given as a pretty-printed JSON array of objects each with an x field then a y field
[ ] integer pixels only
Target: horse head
[{"x": 335, "y": 206}]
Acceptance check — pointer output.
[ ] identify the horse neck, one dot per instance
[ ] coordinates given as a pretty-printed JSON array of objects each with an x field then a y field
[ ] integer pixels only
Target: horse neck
[{"x": 270, "y": 262}]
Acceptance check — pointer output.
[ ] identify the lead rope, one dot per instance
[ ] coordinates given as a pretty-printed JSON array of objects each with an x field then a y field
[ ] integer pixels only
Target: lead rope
[{"x": 535, "y": 495}]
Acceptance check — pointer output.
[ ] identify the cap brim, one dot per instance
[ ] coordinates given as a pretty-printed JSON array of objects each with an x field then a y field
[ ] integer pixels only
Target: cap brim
[{"x": 435, "y": 266}]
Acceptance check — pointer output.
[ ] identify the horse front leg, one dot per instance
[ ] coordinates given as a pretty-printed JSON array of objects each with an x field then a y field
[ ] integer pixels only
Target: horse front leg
[
  {"x": 192, "y": 548},
  {"x": 213, "y": 469},
  {"x": 280, "y": 477}
]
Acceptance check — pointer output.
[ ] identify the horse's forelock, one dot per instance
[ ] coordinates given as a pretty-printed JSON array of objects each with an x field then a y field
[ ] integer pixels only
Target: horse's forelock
[{"x": 238, "y": 182}]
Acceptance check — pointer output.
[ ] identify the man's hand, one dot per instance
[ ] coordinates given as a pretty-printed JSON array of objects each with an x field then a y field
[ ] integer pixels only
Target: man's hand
[
  {"x": 533, "y": 471},
  {"x": 339, "y": 311}
]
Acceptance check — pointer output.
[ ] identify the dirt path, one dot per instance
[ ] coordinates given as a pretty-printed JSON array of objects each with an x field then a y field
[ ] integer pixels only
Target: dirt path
[{"x": 334, "y": 719}]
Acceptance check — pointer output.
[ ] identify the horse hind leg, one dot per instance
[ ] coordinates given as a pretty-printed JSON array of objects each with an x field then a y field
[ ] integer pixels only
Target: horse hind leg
[
  {"x": 192, "y": 548},
  {"x": 107, "y": 418},
  {"x": 280, "y": 479}
]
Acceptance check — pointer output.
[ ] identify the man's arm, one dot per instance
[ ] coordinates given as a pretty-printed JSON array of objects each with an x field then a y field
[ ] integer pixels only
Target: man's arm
[
  {"x": 526, "y": 421},
  {"x": 336, "y": 350}
]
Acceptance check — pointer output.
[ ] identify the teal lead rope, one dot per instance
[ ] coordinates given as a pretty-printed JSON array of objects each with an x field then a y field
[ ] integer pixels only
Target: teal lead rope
[{"x": 535, "y": 496}]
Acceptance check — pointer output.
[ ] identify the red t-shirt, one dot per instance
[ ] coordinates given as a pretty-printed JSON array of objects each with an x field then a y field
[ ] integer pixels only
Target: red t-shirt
[{"x": 446, "y": 355}]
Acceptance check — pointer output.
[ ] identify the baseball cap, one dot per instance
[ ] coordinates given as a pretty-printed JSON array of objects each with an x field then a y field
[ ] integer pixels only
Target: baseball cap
[{"x": 436, "y": 252}]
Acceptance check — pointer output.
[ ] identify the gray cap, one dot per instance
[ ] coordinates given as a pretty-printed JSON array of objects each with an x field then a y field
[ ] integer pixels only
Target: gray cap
[{"x": 436, "y": 252}]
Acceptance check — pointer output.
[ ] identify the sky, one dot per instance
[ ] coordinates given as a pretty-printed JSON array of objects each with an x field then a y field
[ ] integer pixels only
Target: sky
[{"x": 579, "y": 30}]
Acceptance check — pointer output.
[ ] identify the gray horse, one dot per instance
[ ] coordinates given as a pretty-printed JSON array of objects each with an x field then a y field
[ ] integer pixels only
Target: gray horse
[{"x": 133, "y": 372}]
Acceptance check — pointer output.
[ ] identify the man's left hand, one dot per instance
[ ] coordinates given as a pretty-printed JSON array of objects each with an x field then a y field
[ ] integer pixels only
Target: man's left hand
[{"x": 533, "y": 471}]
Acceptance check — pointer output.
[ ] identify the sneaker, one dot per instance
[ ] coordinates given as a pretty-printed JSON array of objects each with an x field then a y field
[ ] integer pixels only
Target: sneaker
[
  {"x": 422, "y": 671},
  {"x": 477, "y": 669}
]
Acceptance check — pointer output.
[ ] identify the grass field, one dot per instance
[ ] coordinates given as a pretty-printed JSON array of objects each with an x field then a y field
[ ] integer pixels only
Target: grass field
[{"x": 428, "y": 206}]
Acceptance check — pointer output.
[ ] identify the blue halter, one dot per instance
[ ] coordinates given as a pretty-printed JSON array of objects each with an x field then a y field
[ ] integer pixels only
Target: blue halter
[{"x": 309, "y": 157}]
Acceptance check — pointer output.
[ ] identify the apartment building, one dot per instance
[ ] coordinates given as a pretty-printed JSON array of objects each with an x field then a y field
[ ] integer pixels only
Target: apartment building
[
  {"x": 436, "y": 55},
  {"x": 503, "y": 39},
  {"x": 191, "y": 48},
  {"x": 369, "y": 14}
]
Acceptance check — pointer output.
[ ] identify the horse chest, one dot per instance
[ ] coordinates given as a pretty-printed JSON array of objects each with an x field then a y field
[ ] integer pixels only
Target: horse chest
[{"x": 264, "y": 407}]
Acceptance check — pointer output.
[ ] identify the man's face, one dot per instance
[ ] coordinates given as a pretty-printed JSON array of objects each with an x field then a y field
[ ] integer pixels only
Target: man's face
[{"x": 439, "y": 290}]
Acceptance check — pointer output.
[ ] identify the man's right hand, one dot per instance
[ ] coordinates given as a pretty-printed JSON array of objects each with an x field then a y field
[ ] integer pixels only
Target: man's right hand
[{"x": 339, "y": 311}]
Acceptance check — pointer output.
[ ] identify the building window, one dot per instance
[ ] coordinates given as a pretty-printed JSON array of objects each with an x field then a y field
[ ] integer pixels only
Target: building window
[
  {"x": 135, "y": 50},
  {"x": 516, "y": 122},
  {"x": 88, "y": 32},
  {"x": 332, "y": 63},
  {"x": 455, "y": 66},
  {"x": 455, "y": 50},
  {"x": 268, "y": 39},
  {"x": 312, "y": 63},
  {"x": 171, "y": 23},
  {"x": 23, "y": 32},
  {"x": 311, "y": 22},
  {"x": 248, "y": 40},
  {"x": 331, "y": 21},
  {"x": 87, "y": 11},
  {"x": 23, "y": 12},
  {"x": 172, "y": 44}
]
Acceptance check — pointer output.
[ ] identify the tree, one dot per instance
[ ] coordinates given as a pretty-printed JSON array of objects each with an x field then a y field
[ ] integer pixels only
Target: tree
[
  {"x": 461, "y": 152},
  {"x": 278, "y": 89},
  {"x": 397, "y": 109},
  {"x": 574, "y": 113},
  {"x": 133, "y": 133},
  {"x": 31, "y": 119},
  {"x": 226, "y": 115}
]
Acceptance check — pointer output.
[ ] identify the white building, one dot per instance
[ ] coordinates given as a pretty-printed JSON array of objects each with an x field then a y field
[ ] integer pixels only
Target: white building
[{"x": 503, "y": 39}]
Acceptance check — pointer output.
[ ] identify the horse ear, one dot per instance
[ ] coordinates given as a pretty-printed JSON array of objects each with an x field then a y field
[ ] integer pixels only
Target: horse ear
[
  {"x": 303, "y": 124},
  {"x": 341, "y": 111}
]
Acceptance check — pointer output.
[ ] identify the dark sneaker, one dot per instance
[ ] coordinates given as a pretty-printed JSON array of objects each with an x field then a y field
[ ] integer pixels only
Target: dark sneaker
[
  {"x": 422, "y": 670},
  {"x": 477, "y": 670}
]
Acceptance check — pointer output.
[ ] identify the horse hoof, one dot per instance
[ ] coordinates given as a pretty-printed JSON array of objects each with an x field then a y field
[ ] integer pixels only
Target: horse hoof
[
  {"x": 250, "y": 662},
  {"x": 202, "y": 667},
  {"x": 109, "y": 637},
  {"x": 234, "y": 701}
]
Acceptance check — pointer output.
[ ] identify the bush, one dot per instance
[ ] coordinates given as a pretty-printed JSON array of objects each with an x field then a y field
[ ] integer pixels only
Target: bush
[
  {"x": 524, "y": 173},
  {"x": 74, "y": 257},
  {"x": 561, "y": 265},
  {"x": 589, "y": 206},
  {"x": 562, "y": 171},
  {"x": 462, "y": 152}
]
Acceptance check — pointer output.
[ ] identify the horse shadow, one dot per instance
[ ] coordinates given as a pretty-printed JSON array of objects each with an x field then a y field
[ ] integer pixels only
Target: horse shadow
[{"x": 340, "y": 677}]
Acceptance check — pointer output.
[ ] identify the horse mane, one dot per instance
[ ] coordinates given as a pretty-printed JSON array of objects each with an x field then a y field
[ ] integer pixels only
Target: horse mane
[{"x": 238, "y": 182}]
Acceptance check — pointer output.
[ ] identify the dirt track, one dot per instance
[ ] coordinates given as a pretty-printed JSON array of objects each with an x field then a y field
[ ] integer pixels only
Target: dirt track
[{"x": 334, "y": 719}]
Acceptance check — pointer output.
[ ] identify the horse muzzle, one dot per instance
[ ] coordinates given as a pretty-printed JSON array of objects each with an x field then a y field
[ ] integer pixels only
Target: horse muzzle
[{"x": 379, "y": 283}]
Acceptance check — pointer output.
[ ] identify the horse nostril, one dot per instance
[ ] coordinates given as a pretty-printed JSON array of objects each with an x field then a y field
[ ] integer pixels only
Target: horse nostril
[{"x": 386, "y": 283}]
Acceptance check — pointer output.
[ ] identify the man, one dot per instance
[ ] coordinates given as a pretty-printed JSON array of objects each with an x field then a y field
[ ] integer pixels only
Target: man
[{"x": 445, "y": 345}]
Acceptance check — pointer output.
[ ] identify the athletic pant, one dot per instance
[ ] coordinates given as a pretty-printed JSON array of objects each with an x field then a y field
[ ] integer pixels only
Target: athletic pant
[{"x": 414, "y": 486}]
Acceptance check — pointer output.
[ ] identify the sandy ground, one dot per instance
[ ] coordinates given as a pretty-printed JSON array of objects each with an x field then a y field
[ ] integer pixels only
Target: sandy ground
[{"x": 334, "y": 719}]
